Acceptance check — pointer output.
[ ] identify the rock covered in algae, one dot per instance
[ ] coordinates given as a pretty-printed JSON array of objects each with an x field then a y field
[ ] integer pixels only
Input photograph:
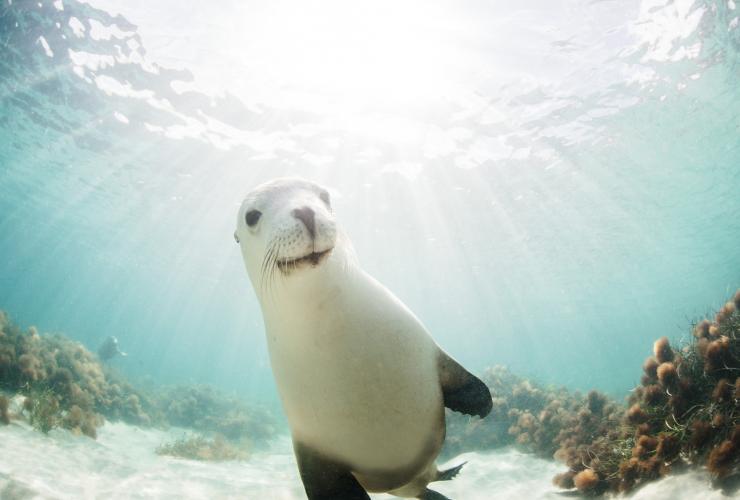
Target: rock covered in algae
[
  {"x": 65, "y": 385},
  {"x": 535, "y": 418},
  {"x": 684, "y": 413}
]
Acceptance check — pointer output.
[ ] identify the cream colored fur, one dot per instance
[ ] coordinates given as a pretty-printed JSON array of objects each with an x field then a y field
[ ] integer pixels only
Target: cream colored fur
[{"x": 356, "y": 370}]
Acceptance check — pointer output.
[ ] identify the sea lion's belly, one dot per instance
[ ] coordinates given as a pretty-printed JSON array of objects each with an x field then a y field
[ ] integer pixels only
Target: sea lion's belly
[{"x": 362, "y": 389}]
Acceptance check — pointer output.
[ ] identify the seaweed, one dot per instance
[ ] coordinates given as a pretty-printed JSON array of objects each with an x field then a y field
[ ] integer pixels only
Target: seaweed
[
  {"x": 65, "y": 385},
  {"x": 198, "y": 447},
  {"x": 535, "y": 418},
  {"x": 683, "y": 413},
  {"x": 44, "y": 410},
  {"x": 4, "y": 415},
  {"x": 204, "y": 408}
]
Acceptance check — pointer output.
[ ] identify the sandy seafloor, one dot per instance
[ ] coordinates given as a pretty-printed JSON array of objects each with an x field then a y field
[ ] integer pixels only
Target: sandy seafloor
[{"x": 122, "y": 464}]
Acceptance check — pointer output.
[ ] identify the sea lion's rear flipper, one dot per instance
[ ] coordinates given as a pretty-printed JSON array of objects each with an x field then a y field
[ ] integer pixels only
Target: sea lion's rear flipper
[
  {"x": 428, "y": 494},
  {"x": 462, "y": 391},
  {"x": 325, "y": 479},
  {"x": 449, "y": 474}
]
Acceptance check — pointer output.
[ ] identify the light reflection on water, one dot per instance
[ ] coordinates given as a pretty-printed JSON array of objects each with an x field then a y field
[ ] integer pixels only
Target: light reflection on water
[{"x": 549, "y": 186}]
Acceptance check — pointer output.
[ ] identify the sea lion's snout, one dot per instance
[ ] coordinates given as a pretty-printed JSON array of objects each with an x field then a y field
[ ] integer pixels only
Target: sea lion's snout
[
  {"x": 310, "y": 238},
  {"x": 308, "y": 217}
]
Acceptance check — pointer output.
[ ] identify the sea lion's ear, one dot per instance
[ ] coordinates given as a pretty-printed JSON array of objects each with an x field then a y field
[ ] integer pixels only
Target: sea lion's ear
[
  {"x": 462, "y": 391},
  {"x": 325, "y": 479}
]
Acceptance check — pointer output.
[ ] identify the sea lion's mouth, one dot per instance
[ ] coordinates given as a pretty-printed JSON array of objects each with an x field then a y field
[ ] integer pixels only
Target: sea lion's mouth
[{"x": 313, "y": 259}]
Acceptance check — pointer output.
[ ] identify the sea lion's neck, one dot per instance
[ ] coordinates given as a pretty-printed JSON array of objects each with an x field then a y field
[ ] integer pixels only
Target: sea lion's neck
[{"x": 302, "y": 293}]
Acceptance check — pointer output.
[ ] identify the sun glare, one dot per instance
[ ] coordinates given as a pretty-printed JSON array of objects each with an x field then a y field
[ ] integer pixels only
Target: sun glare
[{"x": 343, "y": 56}]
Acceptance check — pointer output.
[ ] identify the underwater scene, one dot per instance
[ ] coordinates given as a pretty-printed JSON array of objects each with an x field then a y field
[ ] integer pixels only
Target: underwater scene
[{"x": 352, "y": 250}]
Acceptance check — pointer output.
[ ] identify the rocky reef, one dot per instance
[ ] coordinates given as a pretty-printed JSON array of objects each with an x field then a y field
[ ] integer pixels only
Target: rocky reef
[
  {"x": 686, "y": 412},
  {"x": 51, "y": 381},
  {"x": 210, "y": 411},
  {"x": 226, "y": 427},
  {"x": 535, "y": 418},
  {"x": 546, "y": 421},
  {"x": 63, "y": 384}
]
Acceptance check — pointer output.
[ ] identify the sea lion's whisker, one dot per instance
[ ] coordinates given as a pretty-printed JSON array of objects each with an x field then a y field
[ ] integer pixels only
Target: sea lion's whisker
[
  {"x": 266, "y": 258},
  {"x": 273, "y": 259},
  {"x": 271, "y": 268},
  {"x": 277, "y": 247},
  {"x": 264, "y": 266},
  {"x": 265, "y": 271}
]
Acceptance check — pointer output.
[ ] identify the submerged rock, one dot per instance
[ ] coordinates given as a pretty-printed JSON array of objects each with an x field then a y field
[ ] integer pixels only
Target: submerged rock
[
  {"x": 62, "y": 384},
  {"x": 684, "y": 413}
]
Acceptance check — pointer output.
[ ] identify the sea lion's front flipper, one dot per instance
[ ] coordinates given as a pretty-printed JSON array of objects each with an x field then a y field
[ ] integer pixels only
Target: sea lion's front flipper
[
  {"x": 325, "y": 479},
  {"x": 462, "y": 391}
]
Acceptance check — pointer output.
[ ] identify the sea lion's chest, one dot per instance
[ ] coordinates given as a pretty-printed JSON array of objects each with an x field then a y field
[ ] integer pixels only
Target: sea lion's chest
[{"x": 358, "y": 378}]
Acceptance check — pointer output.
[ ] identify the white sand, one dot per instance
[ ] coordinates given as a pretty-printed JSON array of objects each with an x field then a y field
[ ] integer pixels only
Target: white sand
[{"x": 122, "y": 464}]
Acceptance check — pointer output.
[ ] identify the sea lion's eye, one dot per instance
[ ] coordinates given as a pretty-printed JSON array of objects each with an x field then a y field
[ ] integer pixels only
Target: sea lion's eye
[
  {"x": 253, "y": 216},
  {"x": 324, "y": 195}
]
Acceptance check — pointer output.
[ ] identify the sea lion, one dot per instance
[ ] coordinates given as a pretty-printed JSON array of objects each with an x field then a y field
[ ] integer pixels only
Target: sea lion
[
  {"x": 109, "y": 349},
  {"x": 361, "y": 381}
]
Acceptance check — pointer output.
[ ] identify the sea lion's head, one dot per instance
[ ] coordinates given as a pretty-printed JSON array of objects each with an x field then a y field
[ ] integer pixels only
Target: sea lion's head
[{"x": 285, "y": 227}]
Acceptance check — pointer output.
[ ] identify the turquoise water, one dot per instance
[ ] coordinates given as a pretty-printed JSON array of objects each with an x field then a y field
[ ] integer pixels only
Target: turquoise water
[{"x": 549, "y": 186}]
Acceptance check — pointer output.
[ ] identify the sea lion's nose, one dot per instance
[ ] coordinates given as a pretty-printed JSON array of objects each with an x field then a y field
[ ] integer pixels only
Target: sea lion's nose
[{"x": 306, "y": 215}]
